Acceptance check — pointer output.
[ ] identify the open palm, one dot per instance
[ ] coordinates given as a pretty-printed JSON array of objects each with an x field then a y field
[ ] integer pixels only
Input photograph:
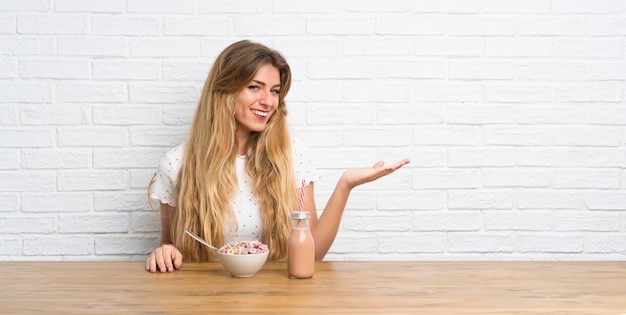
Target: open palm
[{"x": 355, "y": 177}]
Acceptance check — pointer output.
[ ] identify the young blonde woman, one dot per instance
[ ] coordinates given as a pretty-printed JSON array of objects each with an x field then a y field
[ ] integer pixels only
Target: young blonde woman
[{"x": 238, "y": 175}]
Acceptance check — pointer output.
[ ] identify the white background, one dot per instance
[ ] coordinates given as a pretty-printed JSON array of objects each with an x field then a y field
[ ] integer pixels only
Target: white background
[{"x": 512, "y": 111}]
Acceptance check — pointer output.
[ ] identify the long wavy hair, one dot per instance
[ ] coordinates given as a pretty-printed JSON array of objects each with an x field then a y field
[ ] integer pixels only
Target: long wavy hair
[{"x": 208, "y": 181}]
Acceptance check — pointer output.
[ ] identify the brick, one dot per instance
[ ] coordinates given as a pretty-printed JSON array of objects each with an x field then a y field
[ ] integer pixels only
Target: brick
[
  {"x": 26, "y": 45},
  {"x": 145, "y": 222},
  {"x": 123, "y": 201},
  {"x": 480, "y": 114},
  {"x": 127, "y": 244},
  {"x": 9, "y": 159},
  {"x": 55, "y": 115},
  {"x": 482, "y": 157},
  {"x": 111, "y": 6},
  {"x": 215, "y": 26},
  {"x": 9, "y": 202},
  {"x": 604, "y": 243},
  {"x": 419, "y": 156},
  {"x": 605, "y": 200},
  {"x": 518, "y": 47},
  {"x": 595, "y": 48},
  {"x": 606, "y": 71},
  {"x": 594, "y": 92},
  {"x": 123, "y": 69},
  {"x": 261, "y": 26},
  {"x": 354, "y": 243},
  {"x": 446, "y": 92},
  {"x": 483, "y": 242},
  {"x": 58, "y": 245},
  {"x": 468, "y": 25},
  {"x": 551, "y": 26},
  {"x": 448, "y": 221},
  {"x": 481, "y": 69},
  {"x": 93, "y": 46},
  {"x": 8, "y": 68},
  {"x": 395, "y": 114},
  {"x": 564, "y": 156},
  {"x": 17, "y": 138},
  {"x": 90, "y": 180},
  {"x": 234, "y": 6},
  {"x": 409, "y": 25},
  {"x": 163, "y": 93},
  {"x": 325, "y": 91},
  {"x": 106, "y": 137},
  {"x": 550, "y": 243},
  {"x": 52, "y": 24},
  {"x": 574, "y": 6},
  {"x": 446, "y": 135},
  {"x": 125, "y": 158},
  {"x": 25, "y": 92},
  {"x": 340, "y": 25},
  {"x": 575, "y": 136},
  {"x": 586, "y": 221},
  {"x": 527, "y": 220},
  {"x": 122, "y": 25},
  {"x": 606, "y": 26},
  {"x": 178, "y": 115},
  {"x": 519, "y": 136},
  {"x": 39, "y": 225},
  {"x": 8, "y": 25},
  {"x": 606, "y": 157},
  {"x": 375, "y": 6},
  {"x": 127, "y": 115},
  {"x": 375, "y": 137},
  {"x": 541, "y": 71},
  {"x": 446, "y": 179},
  {"x": 93, "y": 223},
  {"x": 411, "y": 200},
  {"x": 10, "y": 246},
  {"x": 352, "y": 68},
  {"x": 447, "y": 6},
  {"x": 522, "y": 177},
  {"x": 373, "y": 223},
  {"x": 55, "y": 69},
  {"x": 517, "y": 93},
  {"x": 593, "y": 179},
  {"x": 329, "y": 158},
  {"x": 57, "y": 202},
  {"x": 412, "y": 243},
  {"x": 549, "y": 199},
  {"x": 520, "y": 7},
  {"x": 8, "y": 115},
  {"x": 161, "y": 6},
  {"x": 25, "y": 5},
  {"x": 479, "y": 200},
  {"x": 318, "y": 47},
  {"x": 551, "y": 114},
  {"x": 378, "y": 46},
  {"x": 55, "y": 158},
  {"x": 303, "y": 6},
  {"x": 92, "y": 92},
  {"x": 186, "y": 71},
  {"x": 411, "y": 69},
  {"x": 169, "y": 136}
]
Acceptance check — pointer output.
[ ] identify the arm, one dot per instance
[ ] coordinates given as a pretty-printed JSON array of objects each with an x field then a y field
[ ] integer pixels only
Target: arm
[
  {"x": 166, "y": 257},
  {"x": 325, "y": 228}
]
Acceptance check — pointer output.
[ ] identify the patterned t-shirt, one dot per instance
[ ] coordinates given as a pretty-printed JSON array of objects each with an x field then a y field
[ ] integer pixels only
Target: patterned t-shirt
[{"x": 244, "y": 204}]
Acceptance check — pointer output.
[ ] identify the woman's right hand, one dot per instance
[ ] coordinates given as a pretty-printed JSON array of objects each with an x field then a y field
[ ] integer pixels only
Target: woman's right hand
[{"x": 164, "y": 258}]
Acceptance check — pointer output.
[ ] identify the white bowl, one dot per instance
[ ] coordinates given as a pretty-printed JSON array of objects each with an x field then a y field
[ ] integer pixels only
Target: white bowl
[{"x": 243, "y": 266}]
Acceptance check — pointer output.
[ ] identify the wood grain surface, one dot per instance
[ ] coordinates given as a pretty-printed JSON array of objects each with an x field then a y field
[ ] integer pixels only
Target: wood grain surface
[{"x": 356, "y": 287}]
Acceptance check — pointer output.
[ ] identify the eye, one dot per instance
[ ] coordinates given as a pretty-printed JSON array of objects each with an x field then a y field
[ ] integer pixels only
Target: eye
[
  {"x": 254, "y": 87},
  {"x": 275, "y": 91}
]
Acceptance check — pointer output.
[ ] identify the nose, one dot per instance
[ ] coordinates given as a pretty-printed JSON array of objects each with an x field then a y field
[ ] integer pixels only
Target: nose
[{"x": 266, "y": 98}]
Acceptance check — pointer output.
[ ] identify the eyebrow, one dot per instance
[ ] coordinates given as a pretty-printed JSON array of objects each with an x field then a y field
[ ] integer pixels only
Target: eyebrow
[{"x": 263, "y": 83}]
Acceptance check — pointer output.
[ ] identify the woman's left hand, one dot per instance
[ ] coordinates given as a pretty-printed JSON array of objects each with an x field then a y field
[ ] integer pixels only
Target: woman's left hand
[{"x": 355, "y": 177}]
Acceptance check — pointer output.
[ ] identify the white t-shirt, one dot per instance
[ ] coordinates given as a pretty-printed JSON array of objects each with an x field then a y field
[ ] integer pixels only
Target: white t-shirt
[{"x": 244, "y": 204}]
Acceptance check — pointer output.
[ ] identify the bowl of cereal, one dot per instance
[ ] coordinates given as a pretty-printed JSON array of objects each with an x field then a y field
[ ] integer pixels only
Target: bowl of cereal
[{"x": 243, "y": 258}]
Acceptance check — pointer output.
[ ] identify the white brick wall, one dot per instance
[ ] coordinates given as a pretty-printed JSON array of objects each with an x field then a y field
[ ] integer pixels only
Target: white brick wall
[{"x": 512, "y": 111}]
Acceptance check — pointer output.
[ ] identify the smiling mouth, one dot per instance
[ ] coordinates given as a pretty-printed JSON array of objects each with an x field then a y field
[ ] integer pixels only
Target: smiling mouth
[{"x": 259, "y": 113}]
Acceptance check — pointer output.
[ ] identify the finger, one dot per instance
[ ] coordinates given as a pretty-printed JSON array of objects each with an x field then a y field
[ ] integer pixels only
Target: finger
[
  {"x": 168, "y": 256},
  {"x": 160, "y": 262},
  {"x": 378, "y": 164},
  {"x": 151, "y": 263},
  {"x": 177, "y": 258}
]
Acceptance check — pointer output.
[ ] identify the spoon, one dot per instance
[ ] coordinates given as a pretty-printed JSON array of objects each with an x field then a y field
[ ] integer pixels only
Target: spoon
[{"x": 203, "y": 242}]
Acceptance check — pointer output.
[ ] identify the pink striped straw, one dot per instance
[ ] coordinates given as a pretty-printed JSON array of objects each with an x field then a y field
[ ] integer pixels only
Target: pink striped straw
[{"x": 302, "y": 195}]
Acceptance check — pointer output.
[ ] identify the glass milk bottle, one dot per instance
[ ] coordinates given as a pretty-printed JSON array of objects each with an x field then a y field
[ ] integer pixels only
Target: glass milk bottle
[{"x": 300, "y": 247}]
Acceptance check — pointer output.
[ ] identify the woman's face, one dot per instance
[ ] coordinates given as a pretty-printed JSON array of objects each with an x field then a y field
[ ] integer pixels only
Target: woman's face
[{"x": 257, "y": 101}]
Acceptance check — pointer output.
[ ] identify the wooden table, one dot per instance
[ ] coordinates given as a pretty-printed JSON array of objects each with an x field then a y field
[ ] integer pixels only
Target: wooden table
[{"x": 337, "y": 288}]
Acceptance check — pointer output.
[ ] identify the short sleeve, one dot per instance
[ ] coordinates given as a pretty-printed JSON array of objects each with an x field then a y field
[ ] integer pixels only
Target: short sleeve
[
  {"x": 166, "y": 176},
  {"x": 303, "y": 163}
]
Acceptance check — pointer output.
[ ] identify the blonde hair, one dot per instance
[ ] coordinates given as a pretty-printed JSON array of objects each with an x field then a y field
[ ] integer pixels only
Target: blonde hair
[{"x": 208, "y": 181}]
